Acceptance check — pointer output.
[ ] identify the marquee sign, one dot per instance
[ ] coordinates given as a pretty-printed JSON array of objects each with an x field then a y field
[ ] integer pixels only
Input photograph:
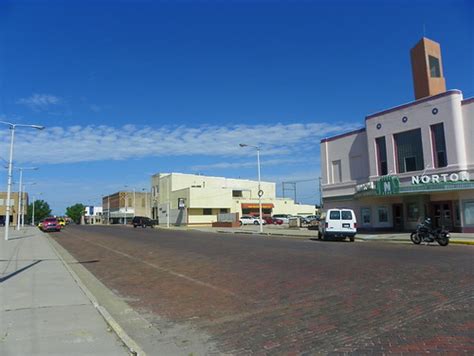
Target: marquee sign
[
  {"x": 441, "y": 178},
  {"x": 388, "y": 185}
]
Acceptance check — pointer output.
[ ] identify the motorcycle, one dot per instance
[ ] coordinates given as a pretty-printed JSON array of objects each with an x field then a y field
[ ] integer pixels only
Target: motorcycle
[{"x": 424, "y": 233}]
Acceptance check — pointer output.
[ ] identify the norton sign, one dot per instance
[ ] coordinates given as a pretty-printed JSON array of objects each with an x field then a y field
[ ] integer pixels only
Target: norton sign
[{"x": 441, "y": 178}]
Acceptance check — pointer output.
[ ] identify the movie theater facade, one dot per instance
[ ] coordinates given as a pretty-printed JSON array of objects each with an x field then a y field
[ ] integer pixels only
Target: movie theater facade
[{"x": 409, "y": 162}]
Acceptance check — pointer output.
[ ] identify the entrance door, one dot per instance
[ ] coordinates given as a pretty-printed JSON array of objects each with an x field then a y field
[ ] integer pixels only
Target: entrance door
[
  {"x": 398, "y": 217},
  {"x": 442, "y": 215}
]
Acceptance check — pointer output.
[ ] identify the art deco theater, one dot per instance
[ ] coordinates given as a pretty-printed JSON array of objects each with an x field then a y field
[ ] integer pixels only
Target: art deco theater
[{"x": 412, "y": 161}]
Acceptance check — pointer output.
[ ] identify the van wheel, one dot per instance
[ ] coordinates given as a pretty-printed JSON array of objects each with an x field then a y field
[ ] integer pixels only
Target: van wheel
[
  {"x": 352, "y": 239},
  {"x": 319, "y": 235}
]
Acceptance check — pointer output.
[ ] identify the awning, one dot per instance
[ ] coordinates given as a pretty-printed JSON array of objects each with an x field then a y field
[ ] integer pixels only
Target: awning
[{"x": 257, "y": 206}]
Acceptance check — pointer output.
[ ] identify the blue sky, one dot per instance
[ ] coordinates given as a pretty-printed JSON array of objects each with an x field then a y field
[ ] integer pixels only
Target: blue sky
[{"x": 131, "y": 88}]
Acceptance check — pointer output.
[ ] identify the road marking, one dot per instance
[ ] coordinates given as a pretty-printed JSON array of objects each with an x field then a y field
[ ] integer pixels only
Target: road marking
[{"x": 169, "y": 271}]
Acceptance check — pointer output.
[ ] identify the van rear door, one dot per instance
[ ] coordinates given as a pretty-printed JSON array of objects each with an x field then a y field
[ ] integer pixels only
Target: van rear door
[
  {"x": 347, "y": 221},
  {"x": 333, "y": 220}
]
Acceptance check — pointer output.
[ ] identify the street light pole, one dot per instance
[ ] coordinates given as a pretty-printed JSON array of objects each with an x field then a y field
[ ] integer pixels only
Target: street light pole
[
  {"x": 22, "y": 211},
  {"x": 260, "y": 192},
  {"x": 10, "y": 164},
  {"x": 19, "y": 201},
  {"x": 21, "y": 190}
]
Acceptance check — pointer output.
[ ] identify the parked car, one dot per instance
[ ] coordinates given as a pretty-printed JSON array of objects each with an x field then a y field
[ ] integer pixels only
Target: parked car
[
  {"x": 50, "y": 224},
  {"x": 312, "y": 217},
  {"x": 285, "y": 218},
  {"x": 61, "y": 222},
  {"x": 249, "y": 220},
  {"x": 272, "y": 220},
  {"x": 143, "y": 221},
  {"x": 338, "y": 223}
]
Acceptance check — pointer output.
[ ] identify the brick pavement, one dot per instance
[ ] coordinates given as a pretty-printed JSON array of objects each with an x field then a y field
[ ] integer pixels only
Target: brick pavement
[{"x": 258, "y": 296}]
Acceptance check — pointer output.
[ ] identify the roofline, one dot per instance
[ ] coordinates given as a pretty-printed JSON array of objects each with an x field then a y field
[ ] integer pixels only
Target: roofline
[
  {"x": 467, "y": 101},
  {"x": 327, "y": 139},
  {"x": 416, "y": 102}
]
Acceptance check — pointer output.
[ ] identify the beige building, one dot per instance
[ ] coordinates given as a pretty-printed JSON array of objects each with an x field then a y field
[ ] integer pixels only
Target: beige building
[
  {"x": 123, "y": 205},
  {"x": 189, "y": 199},
  {"x": 14, "y": 207}
]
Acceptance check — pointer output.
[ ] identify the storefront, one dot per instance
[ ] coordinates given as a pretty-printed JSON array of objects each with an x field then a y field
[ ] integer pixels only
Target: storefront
[
  {"x": 400, "y": 204},
  {"x": 254, "y": 209}
]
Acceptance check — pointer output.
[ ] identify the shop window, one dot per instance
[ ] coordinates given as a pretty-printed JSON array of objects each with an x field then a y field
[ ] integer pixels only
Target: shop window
[
  {"x": 382, "y": 214},
  {"x": 413, "y": 212},
  {"x": 206, "y": 211},
  {"x": 365, "y": 216},
  {"x": 439, "y": 145},
  {"x": 381, "y": 156},
  {"x": 223, "y": 211},
  {"x": 237, "y": 193},
  {"x": 469, "y": 213},
  {"x": 245, "y": 211},
  {"x": 409, "y": 150}
]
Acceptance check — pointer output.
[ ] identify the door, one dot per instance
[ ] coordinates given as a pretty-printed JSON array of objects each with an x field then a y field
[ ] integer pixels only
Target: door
[
  {"x": 398, "y": 217},
  {"x": 442, "y": 215}
]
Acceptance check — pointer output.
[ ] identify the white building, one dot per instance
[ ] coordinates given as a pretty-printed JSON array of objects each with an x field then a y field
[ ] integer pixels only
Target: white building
[
  {"x": 196, "y": 199},
  {"x": 410, "y": 161},
  {"x": 93, "y": 214}
]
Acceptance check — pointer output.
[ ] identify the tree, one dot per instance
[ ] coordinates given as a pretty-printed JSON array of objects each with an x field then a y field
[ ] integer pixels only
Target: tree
[
  {"x": 75, "y": 212},
  {"x": 42, "y": 211}
]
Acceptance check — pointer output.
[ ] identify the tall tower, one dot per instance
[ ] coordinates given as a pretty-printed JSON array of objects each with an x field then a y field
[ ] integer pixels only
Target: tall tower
[{"x": 427, "y": 69}]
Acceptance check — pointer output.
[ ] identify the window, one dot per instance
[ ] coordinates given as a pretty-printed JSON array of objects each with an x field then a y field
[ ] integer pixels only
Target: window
[
  {"x": 224, "y": 211},
  {"x": 381, "y": 156},
  {"x": 365, "y": 214},
  {"x": 409, "y": 151},
  {"x": 237, "y": 193},
  {"x": 469, "y": 213},
  {"x": 335, "y": 215},
  {"x": 413, "y": 212},
  {"x": 346, "y": 215},
  {"x": 383, "y": 214},
  {"x": 336, "y": 172},
  {"x": 439, "y": 145},
  {"x": 435, "y": 71},
  {"x": 206, "y": 211}
]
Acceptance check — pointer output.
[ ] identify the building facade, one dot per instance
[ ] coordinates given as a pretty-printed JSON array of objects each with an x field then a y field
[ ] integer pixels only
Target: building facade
[
  {"x": 123, "y": 206},
  {"x": 15, "y": 208},
  {"x": 189, "y": 199},
  {"x": 409, "y": 162},
  {"x": 93, "y": 215}
]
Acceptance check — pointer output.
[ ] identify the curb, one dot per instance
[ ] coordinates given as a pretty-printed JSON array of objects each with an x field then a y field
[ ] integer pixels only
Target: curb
[
  {"x": 457, "y": 242},
  {"x": 132, "y": 346}
]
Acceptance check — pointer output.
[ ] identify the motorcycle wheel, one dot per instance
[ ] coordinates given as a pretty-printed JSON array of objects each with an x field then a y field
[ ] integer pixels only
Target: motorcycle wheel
[
  {"x": 415, "y": 238},
  {"x": 443, "y": 241}
]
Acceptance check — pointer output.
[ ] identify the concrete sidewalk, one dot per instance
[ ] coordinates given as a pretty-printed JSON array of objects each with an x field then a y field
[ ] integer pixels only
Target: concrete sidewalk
[
  {"x": 43, "y": 311},
  {"x": 271, "y": 230}
]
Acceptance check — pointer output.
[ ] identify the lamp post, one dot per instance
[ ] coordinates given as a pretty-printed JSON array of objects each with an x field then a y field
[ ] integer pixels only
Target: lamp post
[
  {"x": 20, "y": 194},
  {"x": 22, "y": 211},
  {"x": 260, "y": 191},
  {"x": 12, "y": 128}
]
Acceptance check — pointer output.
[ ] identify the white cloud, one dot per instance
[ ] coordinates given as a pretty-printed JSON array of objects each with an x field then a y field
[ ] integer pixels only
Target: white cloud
[
  {"x": 40, "y": 102},
  {"x": 97, "y": 143},
  {"x": 237, "y": 165}
]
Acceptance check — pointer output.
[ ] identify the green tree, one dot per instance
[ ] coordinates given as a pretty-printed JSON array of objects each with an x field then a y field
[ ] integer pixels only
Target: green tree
[
  {"x": 42, "y": 211},
  {"x": 75, "y": 212}
]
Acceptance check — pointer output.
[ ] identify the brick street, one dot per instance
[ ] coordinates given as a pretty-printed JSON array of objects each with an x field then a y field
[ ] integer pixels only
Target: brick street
[{"x": 259, "y": 295}]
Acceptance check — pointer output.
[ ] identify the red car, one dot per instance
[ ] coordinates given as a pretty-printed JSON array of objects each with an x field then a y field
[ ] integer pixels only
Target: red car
[
  {"x": 51, "y": 224},
  {"x": 274, "y": 221}
]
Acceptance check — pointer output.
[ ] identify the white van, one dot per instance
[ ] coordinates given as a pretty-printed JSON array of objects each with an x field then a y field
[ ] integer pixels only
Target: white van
[{"x": 338, "y": 223}]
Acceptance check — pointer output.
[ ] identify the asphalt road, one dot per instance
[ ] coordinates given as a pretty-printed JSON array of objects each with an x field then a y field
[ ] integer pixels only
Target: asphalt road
[{"x": 260, "y": 295}]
